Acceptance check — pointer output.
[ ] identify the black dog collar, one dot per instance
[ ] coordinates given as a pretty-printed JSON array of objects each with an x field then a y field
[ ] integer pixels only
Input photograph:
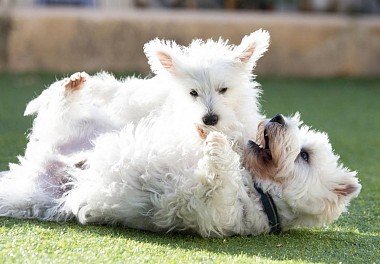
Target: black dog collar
[{"x": 270, "y": 210}]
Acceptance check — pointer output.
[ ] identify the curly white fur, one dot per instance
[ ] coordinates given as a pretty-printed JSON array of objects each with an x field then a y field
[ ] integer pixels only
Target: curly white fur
[
  {"x": 127, "y": 180},
  {"x": 109, "y": 151}
]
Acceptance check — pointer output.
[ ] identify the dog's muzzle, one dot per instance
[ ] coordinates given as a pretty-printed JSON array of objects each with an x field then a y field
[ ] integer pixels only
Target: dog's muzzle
[
  {"x": 264, "y": 150},
  {"x": 210, "y": 119}
]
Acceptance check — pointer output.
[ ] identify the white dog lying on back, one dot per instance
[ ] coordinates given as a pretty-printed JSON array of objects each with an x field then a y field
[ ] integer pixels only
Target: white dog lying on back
[{"x": 126, "y": 180}]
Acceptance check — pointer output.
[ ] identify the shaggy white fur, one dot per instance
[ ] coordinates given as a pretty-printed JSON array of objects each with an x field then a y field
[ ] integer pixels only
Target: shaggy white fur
[
  {"x": 109, "y": 151},
  {"x": 130, "y": 179},
  {"x": 192, "y": 84},
  {"x": 207, "y": 82}
]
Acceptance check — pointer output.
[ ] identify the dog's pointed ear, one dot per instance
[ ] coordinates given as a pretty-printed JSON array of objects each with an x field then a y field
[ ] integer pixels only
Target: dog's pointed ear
[
  {"x": 166, "y": 60},
  {"x": 161, "y": 56},
  {"x": 253, "y": 47},
  {"x": 350, "y": 187}
]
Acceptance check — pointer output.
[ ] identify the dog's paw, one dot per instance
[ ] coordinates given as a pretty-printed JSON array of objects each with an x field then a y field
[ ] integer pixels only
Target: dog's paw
[
  {"x": 215, "y": 144},
  {"x": 75, "y": 82},
  {"x": 216, "y": 138},
  {"x": 218, "y": 157}
]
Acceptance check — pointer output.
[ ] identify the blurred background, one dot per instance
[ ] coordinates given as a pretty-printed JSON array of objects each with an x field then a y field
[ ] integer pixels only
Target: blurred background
[
  {"x": 347, "y": 6},
  {"x": 309, "y": 37}
]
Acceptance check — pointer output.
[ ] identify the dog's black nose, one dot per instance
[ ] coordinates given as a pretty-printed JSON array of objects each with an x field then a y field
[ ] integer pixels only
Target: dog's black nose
[
  {"x": 278, "y": 119},
  {"x": 210, "y": 119}
]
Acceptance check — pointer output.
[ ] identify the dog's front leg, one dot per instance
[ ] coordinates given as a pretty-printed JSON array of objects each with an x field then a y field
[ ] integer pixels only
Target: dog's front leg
[
  {"x": 222, "y": 187},
  {"x": 219, "y": 161}
]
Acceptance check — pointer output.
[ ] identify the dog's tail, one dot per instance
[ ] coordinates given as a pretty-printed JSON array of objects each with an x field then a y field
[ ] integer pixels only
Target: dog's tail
[
  {"x": 51, "y": 94},
  {"x": 34, "y": 106}
]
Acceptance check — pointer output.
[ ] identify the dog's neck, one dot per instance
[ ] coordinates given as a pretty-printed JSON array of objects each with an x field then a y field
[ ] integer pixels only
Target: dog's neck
[
  {"x": 287, "y": 216},
  {"x": 270, "y": 209}
]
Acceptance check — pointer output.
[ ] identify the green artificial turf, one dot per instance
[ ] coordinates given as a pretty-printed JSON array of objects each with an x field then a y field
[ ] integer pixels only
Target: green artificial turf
[{"x": 347, "y": 109}]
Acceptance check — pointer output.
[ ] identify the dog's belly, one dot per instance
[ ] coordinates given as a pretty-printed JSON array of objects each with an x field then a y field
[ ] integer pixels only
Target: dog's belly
[{"x": 75, "y": 146}]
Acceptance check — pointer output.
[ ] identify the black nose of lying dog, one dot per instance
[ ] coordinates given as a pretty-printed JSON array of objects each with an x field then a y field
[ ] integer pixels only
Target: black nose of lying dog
[
  {"x": 278, "y": 119},
  {"x": 210, "y": 119}
]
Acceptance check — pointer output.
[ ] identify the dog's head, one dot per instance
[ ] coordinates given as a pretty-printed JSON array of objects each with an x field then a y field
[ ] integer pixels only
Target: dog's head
[
  {"x": 213, "y": 79},
  {"x": 302, "y": 166}
]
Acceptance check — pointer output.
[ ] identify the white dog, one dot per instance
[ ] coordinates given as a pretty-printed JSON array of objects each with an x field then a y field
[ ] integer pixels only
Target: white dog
[
  {"x": 152, "y": 172},
  {"x": 126, "y": 180},
  {"x": 207, "y": 82}
]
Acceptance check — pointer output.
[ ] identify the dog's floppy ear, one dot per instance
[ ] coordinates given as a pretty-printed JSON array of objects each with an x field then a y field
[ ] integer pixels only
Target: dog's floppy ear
[
  {"x": 161, "y": 55},
  {"x": 252, "y": 47}
]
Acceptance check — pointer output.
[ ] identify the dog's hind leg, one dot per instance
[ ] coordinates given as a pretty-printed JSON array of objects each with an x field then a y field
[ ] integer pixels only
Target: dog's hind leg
[
  {"x": 66, "y": 120},
  {"x": 75, "y": 81},
  {"x": 30, "y": 190}
]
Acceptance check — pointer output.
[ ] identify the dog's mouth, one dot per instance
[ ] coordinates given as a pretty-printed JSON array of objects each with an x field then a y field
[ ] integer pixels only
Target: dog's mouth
[
  {"x": 267, "y": 131},
  {"x": 262, "y": 150},
  {"x": 266, "y": 139}
]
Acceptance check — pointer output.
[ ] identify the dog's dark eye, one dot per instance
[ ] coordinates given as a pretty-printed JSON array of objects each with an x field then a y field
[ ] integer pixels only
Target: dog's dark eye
[
  {"x": 223, "y": 90},
  {"x": 304, "y": 155},
  {"x": 193, "y": 93}
]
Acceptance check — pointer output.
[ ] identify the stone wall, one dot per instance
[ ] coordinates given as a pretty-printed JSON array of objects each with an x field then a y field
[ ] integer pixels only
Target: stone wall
[
  {"x": 5, "y": 27},
  {"x": 68, "y": 40}
]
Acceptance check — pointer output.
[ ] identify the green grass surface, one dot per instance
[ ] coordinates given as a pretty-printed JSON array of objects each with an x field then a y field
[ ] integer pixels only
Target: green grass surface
[{"x": 348, "y": 109}]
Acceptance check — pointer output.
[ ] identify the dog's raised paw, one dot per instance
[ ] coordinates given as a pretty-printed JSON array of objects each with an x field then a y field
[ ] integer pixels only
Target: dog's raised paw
[
  {"x": 75, "y": 82},
  {"x": 216, "y": 138}
]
